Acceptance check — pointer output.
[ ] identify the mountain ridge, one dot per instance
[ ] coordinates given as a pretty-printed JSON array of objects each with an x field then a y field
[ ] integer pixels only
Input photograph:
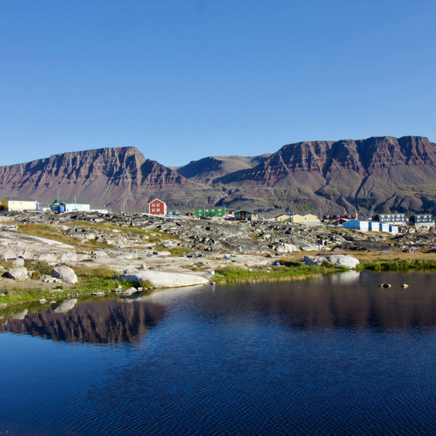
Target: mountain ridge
[{"x": 377, "y": 174}]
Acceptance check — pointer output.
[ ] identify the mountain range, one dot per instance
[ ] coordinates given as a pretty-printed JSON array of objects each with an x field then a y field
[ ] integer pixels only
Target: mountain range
[{"x": 378, "y": 174}]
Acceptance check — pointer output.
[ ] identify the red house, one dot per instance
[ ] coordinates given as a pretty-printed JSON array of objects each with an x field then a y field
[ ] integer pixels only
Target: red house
[
  {"x": 344, "y": 216},
  {"x": 157, "y": 207}
]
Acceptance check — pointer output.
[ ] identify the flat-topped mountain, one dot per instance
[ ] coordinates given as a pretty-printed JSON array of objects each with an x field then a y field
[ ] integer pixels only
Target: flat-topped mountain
[
  {"x": 104, "y": 177},
  {"x": 375, "y": 174},
  {"x": 378, "y": 174}
]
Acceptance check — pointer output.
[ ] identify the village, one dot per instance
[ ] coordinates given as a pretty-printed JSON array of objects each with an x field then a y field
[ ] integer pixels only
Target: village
[{"x": 388, "y": 223}]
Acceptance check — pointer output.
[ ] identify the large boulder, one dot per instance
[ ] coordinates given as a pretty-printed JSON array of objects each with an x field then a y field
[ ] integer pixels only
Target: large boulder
[
  {"x": 286, "y": 248},
  {"x": 159, "y": 279},
  {"x": 342, "y": 260},
  {"x": 17, "y": 274},
  {"x": 64, "y": 273}
]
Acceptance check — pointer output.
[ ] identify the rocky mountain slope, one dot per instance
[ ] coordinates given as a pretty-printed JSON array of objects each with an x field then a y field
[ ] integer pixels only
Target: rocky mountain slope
[
  {"x": 378, "y": 174},
  {"x": 210, "y": 168},
  {"x": 105, "y": 177}
]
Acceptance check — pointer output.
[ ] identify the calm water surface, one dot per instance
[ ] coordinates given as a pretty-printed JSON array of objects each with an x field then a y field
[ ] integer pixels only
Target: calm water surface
[{"x": 334, "y": 356}]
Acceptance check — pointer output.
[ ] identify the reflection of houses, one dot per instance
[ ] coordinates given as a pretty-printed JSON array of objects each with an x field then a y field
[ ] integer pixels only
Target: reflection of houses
[
  {"x": 308, "y": 219},
  {"x": 157, "y": 207},
  {"x": 69, "y": 206},
  {"x": 246, "y": 215},
  {"x": 17, "y": 203}
]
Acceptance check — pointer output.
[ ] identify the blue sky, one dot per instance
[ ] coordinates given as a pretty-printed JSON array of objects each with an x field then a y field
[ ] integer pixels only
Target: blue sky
[{"x": 185, "y": 79}]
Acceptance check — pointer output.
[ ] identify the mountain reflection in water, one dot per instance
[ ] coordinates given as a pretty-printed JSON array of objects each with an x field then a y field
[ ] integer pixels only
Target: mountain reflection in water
[
  {"x": 348, "y": 300},
  {"x": 96, "y": 322}
]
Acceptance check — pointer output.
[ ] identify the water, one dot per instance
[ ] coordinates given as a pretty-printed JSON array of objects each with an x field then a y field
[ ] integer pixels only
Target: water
[{"x": 334, "y": 356}]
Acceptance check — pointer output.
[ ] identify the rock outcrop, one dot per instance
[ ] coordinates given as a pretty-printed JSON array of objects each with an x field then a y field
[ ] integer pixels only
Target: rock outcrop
[{"x": 159, "y": 279}]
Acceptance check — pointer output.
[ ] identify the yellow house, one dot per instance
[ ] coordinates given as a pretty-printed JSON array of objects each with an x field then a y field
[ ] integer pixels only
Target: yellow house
[
  {"x": 282, "y": 217},
  {"x": 16, "y": 203},
  {"x": 304, "y": 219}
]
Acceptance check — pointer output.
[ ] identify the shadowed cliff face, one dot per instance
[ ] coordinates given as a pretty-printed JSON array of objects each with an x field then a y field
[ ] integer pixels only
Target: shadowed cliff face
[{"x": 95, "y": 323}]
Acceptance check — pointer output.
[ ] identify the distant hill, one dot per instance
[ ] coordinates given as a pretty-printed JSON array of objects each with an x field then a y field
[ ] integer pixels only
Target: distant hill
[
  {"x": 208, "y": 169},
  {"x": 379, "y": 174}
]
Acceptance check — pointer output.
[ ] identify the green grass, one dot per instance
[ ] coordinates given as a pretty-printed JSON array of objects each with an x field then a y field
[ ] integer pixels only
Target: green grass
[
  {"x": 178, "y": 251},
  {"x": 17, "y": 295},
  {"x": 288, "y": 271},
  {"x": 95, "y": 279},
  {"x": 46, "y": 231},
  {"x": 402, "y": 265},
  {"x": 90, "y": 280}
]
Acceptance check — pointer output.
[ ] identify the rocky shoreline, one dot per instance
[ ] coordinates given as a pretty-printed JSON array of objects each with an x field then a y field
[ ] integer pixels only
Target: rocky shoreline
[{"x": 174, "y": 251}]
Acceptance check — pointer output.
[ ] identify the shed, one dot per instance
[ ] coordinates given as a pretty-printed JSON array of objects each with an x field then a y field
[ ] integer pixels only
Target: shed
[
  {"x": 19, "y": 203},
  {"x": 384, "y": 227},
  {"x": 374, "y": 226},
  {"x": 363, "y": 226},
  {"x": 393, "y": 229}
]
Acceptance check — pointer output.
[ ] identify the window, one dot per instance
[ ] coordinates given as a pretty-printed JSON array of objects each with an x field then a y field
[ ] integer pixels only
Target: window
[{"x": 153, "y": 210}]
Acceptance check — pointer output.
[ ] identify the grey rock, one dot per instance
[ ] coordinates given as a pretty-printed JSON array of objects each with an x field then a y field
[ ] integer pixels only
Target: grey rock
[
  {"x": 18, "y": 263},
  {"x": 17, "y": 274},
  {"x": 130, "y": 291},
  {"x": 342, "y": 260},
  {"x": 64, "y": 273},
  {"x": 164, "y": 279}
]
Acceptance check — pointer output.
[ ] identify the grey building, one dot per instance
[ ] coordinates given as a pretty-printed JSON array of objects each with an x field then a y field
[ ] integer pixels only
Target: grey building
[{"x": 390, "y": 218}]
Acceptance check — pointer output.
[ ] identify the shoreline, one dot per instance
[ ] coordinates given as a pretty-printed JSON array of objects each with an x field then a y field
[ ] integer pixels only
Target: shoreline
[
  {"x": 98, "y": 248},
  {"x": 92, "y": 287}
]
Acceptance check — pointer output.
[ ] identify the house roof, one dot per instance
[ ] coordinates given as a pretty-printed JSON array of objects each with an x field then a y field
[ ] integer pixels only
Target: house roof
[
  {"x": 68, "y": 202},
  {"x": 19, "y": 199},
  {"x": 243, "y": 210},
  {"x": 157, "y": 200}
]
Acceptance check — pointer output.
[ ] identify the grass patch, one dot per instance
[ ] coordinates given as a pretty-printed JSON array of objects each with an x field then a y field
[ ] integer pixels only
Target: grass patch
[
  {"x": 39, "y": 268},
  {"x": 46, "y": 231},
  {"x": 287, "y": 272},
  {"x": 153, "y": 235},
  {"x": 178, "y": 251},
  {"x": 16, "y": 295},
  {"x": 95, "y": 279},
  {"x": 397, "y": 264}
]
